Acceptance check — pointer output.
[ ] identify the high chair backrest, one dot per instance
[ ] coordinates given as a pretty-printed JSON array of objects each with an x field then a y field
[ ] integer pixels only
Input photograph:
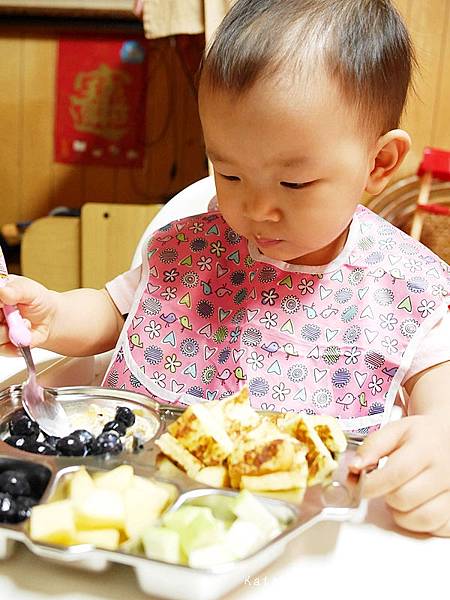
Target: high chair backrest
[{"x": 193, "y": 200}]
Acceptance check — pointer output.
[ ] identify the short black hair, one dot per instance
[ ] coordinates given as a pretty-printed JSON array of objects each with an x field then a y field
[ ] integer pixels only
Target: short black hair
[{"x": 363, "y": 45}]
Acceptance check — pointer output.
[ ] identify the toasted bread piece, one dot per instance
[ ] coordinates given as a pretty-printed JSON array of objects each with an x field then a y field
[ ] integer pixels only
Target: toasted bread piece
[
  {"x": 329, "y": 432},
  {"x": 320, "y": 461},
  {"x": 200, "y": 429},
  {"x": 267, "y": 429},
  {"x": 281, "y": 480},
  {"x": 167, "y": 467},
  {"x": 272, "y": 417},
  {"x": 259, "y": 457},
  {"x": 239, "y": 417},
  {"x": 214, "y": 476},
  {"x": 178, "y": 454}
]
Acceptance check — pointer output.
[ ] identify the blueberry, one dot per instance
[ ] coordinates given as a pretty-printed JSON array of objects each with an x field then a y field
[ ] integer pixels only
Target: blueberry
[
  {"x": 71, "y": 446},
  {"x": 118, "y": 426},
  {"x": 14, "y": 483},
  {"x": 51, "y": 441},
  {"x": 41, "y": 448},
  {"x": 126, "y": 415},
  {"x": 24, "y": 504},
  {"x": 20, "y": 424},
  {"x": 8, "y": 509},
  {"x": 27, "y": 501},
  {"x": 19, "y": 441},
  {"x": 107, "y": 442},
  {"x": 85, "y": 437}
]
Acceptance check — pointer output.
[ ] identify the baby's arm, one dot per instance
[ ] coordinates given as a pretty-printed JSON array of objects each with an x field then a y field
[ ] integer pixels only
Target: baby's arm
[
  {"x": 75, "y": 323},
  {"x": 416, "y": 479},
  {"x": 85, "y": 322}
]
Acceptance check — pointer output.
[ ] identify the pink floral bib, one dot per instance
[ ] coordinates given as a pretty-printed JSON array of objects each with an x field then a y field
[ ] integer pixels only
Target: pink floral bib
[{"x": 212, "y": 314}]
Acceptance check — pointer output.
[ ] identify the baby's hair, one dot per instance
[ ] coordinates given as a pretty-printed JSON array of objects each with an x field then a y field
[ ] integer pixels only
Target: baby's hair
[{"x": 363, "y": 45}]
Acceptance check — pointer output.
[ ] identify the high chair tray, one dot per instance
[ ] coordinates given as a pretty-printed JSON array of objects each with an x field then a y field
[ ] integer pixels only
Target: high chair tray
[{"x": 340, "y": 500}]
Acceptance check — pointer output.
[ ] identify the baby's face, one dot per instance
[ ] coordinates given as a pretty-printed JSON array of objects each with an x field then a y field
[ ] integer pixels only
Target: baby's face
[{"x": 290, "y": 166}]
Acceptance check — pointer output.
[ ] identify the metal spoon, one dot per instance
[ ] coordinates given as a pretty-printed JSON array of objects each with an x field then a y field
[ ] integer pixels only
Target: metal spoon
[{"x": 40, "y": 404}]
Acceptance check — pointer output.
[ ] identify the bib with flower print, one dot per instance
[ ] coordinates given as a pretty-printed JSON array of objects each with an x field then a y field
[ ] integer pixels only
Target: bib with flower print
[{"x": 212, "y": 313}]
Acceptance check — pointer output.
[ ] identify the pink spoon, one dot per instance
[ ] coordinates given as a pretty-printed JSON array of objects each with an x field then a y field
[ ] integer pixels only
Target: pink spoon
[{"x": 40, "y": 404}]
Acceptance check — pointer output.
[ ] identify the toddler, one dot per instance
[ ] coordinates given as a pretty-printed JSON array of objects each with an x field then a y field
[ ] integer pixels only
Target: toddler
[{"x": 288, "y": 284}]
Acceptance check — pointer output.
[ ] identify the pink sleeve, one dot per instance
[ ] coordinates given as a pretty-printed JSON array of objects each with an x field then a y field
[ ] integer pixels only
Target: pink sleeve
[
  {"x": 433, "y": 350},
  {"x": 123, "y": 287}
]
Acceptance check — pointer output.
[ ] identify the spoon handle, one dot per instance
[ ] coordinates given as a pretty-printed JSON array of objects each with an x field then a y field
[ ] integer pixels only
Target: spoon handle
[{"x": 19, "y": 334}]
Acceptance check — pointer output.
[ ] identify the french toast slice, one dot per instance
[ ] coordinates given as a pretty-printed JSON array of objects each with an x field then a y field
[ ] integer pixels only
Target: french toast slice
[
  {"x": 319, "y": 458},
  {"x": 200, "y": 429}
]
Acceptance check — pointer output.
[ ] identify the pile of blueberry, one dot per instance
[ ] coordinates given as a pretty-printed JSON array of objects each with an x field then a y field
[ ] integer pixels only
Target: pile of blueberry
[
  {"x": 26, "y": 435},
  {"x": 16, "y": 496}
]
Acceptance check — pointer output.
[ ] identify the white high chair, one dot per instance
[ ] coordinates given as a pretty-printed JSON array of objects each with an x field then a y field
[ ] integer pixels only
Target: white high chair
[{"x": 55, "y": 370}]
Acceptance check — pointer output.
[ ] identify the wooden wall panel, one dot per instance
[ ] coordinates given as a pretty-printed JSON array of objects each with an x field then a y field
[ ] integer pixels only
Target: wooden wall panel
[
  {"x": 37, "y": 130},
  {"x": 68, "y": 185},
  {"x": 427, "y": 25},
  {"x": 32, "y": 183},
  {"x": 10, "y": 128},
  {"x": 440, "y": 134},
  {"x": 100, "y": 184}
]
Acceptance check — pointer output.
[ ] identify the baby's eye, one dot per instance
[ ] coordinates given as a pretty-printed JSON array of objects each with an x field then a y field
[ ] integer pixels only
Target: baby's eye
[
  {"x": 230, "y": 177},
  {"x": 294, "y": 185}
]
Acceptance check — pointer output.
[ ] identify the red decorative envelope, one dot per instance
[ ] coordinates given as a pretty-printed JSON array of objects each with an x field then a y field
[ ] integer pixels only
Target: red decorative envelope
[{"x": 100, "y": 101}]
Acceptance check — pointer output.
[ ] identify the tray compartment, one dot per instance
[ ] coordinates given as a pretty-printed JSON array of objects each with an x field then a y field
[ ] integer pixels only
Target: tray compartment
[
  {"x": 39, "y": 477},
  {"x": 340, "y": 500},
  {"x": 76, "y": 401}
]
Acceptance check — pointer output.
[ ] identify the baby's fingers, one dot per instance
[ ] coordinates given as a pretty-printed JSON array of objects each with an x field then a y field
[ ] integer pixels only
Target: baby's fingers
[
  {"x": 6, "y": 348},
  {"x": 402, "y": 465},
  {"x": 417, "y": 491},
  {"x": 379, "y": 444},
  {"x": 444, "y": 530},
  {"x": 19, "y": 290},
  {"x": 404, "y": 462},
  {"x": 431, "y": 517}
]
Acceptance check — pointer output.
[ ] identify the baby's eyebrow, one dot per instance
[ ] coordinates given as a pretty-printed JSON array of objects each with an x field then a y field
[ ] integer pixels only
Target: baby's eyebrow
[
  {"x": 293, "y": 161},
  {"x": 213, "y": 156}
]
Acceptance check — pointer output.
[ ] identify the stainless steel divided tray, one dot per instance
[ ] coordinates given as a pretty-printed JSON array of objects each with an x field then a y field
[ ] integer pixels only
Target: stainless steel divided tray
[{"x": 339, "y": 501}]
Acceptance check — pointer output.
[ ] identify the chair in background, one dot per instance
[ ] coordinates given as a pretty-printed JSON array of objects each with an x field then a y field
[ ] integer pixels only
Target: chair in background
[
  {"x": 435, "y": 164},
  {"x": 101, "y": 225},
  {"x": 69, "y": 252}
]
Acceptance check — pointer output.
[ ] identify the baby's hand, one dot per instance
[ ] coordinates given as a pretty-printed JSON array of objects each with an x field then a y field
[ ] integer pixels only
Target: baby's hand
[
  {"x": 35, "y": 304},
  {"x": 416, "y": 478}
]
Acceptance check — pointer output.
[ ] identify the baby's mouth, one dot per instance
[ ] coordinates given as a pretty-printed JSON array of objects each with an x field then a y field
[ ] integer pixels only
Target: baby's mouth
[{"x": 266, "y": 242}]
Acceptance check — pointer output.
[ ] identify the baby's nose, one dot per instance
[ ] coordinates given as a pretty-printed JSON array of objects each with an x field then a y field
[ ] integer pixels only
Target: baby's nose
[{"x": 260, "y": 207}]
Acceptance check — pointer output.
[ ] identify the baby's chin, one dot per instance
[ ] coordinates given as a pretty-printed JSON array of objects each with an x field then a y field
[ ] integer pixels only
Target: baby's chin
[
  {"x": 308, "y": 257},
  {"x": 283, "y": 254}
]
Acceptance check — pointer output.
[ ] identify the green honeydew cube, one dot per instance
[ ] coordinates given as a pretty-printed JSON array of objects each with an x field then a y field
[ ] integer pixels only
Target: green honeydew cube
[
  {"x": 180, "y": 518},
  {"x": 161, "y": 543},
  {"x": 208, "y": 556},
  {"x": 249, "y": 508},
  {"x": 203, "y": 530}
]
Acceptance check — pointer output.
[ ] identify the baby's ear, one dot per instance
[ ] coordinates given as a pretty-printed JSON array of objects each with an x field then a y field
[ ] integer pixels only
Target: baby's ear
[{"x": 391, "y": 149}]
